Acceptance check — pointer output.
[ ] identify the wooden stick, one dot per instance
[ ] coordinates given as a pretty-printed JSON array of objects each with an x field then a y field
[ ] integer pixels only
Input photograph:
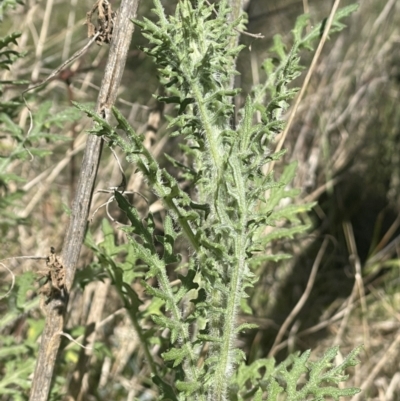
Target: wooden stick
[{"x": 56, "y": 307}]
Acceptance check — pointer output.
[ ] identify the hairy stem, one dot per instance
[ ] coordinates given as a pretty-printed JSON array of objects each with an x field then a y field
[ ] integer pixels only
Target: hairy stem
[{"x": 224, "y": 368}]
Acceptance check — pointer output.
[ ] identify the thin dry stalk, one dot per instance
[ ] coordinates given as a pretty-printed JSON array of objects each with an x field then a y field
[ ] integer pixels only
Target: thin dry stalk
[
  {"x": 70, "y": 26},
  {"x": 393, "y": 387},
  {"x": 349, "y": 308},
  {"x": 301, "y": 301},
  {"x": 42, "y": 39},
  {"x": 55, "y": 172},
  {"x": 306, "y": 80},
  {"x": 80, "y": 209},
  {"x": 354, "y": 258},
  {"x": 388, "y": 353},
  {"x": 80, "y": 384},
  {"x": 388, "y": 235},
  {"x": 100, "y": 324},
  {"x": 78, "y": 146}
]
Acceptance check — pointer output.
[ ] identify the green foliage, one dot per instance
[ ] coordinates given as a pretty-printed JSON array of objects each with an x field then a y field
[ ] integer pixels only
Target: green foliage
[
  {"x": 6, "y": 4},
  {"x": 17, "y": 358},
  {"x": 224, "y": 222},
  {"x": 8, "y": 111},
  {"x": 296, "y": 377},
  {"x": 16, "y": 366},
  {"x": 285, "y": 66},
  {"x": 122, "y": 272}
]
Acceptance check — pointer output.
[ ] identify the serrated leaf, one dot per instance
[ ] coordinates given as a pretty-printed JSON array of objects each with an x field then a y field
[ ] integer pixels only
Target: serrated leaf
[
  {"x": 24, "y": 283},
  {"x": 175, "y": 354},
  {"x": 246, "y": 326},
  {"x": 187, "y": 387},
  {"x": 274, "y": 389},
  {"x": 155, "y": 292},
  {"x": 208, "y": 338}
]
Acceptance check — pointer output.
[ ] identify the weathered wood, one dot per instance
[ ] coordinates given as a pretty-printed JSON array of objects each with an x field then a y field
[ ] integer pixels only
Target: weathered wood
[{"x": 55, "y": 308}]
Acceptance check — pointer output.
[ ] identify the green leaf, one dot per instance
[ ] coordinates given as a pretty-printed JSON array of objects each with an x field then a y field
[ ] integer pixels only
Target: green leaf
[
  {"x": 175, "y": 354},
  {"x": 187, "y": 387},
  {"x": 246, "y": 326},
  {"x": 24, "y": 284}
]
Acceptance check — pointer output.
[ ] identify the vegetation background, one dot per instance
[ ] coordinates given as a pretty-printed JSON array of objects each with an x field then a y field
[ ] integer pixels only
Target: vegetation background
[{"x": 346, "y": 140}]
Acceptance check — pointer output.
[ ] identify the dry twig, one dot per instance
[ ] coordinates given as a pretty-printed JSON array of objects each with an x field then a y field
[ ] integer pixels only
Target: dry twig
[
  {"x": 56, "y": 307},
  {"x": 306, "y": 80},
  {"x": 301, "y": 301}
]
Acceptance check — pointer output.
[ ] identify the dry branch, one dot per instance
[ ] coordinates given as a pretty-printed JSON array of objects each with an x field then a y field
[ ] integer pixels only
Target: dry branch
[{"x": 56, "y": 306}]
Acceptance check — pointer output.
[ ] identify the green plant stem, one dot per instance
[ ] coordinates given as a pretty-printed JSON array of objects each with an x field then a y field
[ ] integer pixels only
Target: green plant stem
[
  {"x": 159, "y": 189},
  {"x": 183, "y": 224},
  {"x": 211, "y": 133},
  {"x": 224, "y": 367},
  {"x": 185, "y": 338}
]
